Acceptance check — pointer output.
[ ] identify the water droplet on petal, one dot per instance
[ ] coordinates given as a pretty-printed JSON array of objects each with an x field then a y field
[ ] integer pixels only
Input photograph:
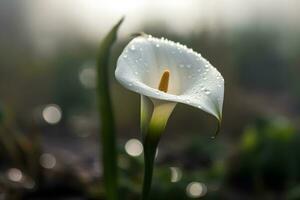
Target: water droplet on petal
[
  {"x": 188, "y": 66},
  {"x": 157, "y": 45},
  {"x": 181, "y": 66},
  {"x": 132, "y": 47},
  {"x": 206, "y": 91}
]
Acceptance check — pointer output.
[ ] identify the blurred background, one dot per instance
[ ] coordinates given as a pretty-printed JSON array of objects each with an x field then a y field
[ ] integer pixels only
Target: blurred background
[{"x": 48, "y": 114}]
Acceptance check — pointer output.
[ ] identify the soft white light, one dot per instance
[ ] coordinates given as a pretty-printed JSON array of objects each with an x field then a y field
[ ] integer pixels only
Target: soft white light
[
  {"x": 176, "y": 174},
  {"x": 29, "y": 184},
  {"x": 52, "y": 114},
  {"x": 87, "y": 77},
  {"x": 134, "y": 147},
  {"x": 14, "y": 174},
  {"x": 196, "y": 189},
  {"x": 47, "y": 161}
]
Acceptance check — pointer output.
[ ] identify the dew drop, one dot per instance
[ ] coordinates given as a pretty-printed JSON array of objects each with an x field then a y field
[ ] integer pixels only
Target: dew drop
[
  {"x": 125, "y": 56},
  {"x": 157, "y": 45},
  {"x": 206, "y": 91},
  {"x": 181, "y": 66},
  {"x": 188, "y": 66},
  {"x": 132, "y": 47}
]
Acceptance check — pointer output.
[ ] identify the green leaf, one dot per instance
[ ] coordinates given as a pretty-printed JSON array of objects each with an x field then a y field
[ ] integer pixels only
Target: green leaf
[{"x": 107, "y": 132}]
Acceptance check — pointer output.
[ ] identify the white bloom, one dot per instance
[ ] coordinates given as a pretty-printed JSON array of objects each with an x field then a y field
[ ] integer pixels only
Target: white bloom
[
  {"x": 192, "y": 80},
  {"x": 166, "y": 73}
]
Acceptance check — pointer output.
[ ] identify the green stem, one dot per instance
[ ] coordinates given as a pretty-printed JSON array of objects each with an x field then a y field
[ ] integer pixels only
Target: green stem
[
  {"x": 157, "y": 124},
  {"x": 150, "y": 146},
  {"x": 107, "y": 132}
]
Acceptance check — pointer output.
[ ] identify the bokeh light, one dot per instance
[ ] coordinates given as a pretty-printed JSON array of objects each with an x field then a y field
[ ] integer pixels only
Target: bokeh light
[
  {"x": 47, "y": 161},
  {"x": 87, "y": 77},
  {"x": 176, "y": 174},
  {"x": 196, "y": 189},
  {"x": 134, "y": 147},
  {"x": 14, "y": 175},
  {"x": 52, "y": 114},
  {"x": 29, "y": 184}
]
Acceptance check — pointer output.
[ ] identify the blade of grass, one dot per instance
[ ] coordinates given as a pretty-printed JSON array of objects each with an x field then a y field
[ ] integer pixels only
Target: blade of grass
[{"x": 107, "y": 132}]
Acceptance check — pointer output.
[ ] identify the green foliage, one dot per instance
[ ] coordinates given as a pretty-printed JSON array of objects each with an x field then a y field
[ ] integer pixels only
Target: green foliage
[
  {"x": 266, "y": 158},
  {"x": 107, "y": 134}
]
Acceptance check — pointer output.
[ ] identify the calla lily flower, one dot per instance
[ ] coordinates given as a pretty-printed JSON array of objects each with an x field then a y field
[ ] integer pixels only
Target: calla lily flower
[
  {"x": 165, "y": 73},
  {"x": 192, "y": 80}
]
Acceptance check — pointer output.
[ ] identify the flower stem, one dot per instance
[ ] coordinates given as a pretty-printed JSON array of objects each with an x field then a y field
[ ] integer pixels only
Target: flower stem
[
  {"x": 107, "y": 132},
  {"x": 157, "y": 124},
  {"x": 150, "y": 146}
]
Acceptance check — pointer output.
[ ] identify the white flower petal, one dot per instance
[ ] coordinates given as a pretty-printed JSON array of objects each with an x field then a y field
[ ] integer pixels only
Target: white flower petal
[{"x": 193, "y": 80}]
